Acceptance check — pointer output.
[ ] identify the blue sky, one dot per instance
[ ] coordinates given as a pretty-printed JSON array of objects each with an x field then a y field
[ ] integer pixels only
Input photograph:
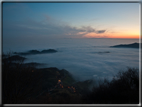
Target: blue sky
[{"x": 70, "y": 20}]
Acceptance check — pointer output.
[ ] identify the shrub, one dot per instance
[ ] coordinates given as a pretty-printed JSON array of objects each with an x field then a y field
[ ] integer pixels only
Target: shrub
[
  {"x": 123, "y": 89},
  {"x": 18, "y": 82}
]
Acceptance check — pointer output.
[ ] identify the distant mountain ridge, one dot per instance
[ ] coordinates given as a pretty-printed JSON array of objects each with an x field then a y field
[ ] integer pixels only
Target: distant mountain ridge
[
  {"x": 133, "y": 45},
  {"x": 32, "y": 52}
]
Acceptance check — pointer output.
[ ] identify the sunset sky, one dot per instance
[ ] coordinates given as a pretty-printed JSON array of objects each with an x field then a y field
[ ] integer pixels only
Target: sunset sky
[{"x": 71, "y": 20}]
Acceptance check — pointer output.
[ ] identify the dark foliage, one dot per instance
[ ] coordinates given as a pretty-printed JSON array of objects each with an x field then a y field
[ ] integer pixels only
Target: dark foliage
[
  {"x": 123, "y": 89},
  {"x": 18, "y": 82},
  {"x": 29, "y": 85}
]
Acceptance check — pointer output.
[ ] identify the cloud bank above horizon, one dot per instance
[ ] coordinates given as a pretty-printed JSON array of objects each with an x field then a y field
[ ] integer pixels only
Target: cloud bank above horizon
[{"x": 70, "y": 20}]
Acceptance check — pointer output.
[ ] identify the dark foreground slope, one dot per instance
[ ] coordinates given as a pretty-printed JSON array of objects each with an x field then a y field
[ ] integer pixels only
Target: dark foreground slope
[
  {"x": 133, "y": 45},
  {"x": 27, "y": 84},
  {"x": 31, "y": 85},
  {"x": 123, "y": 89}
]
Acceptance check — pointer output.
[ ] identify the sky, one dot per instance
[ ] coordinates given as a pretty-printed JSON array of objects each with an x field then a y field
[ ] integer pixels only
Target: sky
[{"x": 70, "y": 20}]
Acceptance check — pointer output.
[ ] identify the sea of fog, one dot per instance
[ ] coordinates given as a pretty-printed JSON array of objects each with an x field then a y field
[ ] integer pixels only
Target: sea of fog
[{"x": 83, "y": 58}]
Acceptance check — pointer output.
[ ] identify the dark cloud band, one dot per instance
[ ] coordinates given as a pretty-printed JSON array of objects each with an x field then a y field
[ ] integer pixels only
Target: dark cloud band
[{"x": 100, "y": 31}]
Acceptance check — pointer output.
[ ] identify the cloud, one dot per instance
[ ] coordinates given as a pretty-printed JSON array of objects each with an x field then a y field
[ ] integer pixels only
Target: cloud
[
  {"x": 100, "y": 31},
  {"x": 88, "y": 29},
  {"x": 47, "y": 17},
  {"x": 48, "y": 27}
]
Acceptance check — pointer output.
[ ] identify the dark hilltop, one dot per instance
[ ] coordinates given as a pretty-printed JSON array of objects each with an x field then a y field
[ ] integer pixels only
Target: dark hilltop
[
  {"x": 24, "y": 83},
  {"x": 133, "y": 45},
  {"x": 33, "y": 52}
]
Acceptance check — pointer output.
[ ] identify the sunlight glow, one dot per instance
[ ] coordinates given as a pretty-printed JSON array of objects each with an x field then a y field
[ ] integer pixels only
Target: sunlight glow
[{"x": 110, "y": 35}]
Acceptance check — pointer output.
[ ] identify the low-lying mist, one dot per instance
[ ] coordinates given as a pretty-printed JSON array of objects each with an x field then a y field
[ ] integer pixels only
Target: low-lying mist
[{"x": 88, "y": 63}]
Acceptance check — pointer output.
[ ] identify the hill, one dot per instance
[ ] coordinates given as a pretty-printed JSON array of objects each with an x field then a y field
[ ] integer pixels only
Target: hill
[
  {"x": 31, "y": 85},
  {"x": 133, "y": 45},
  {"x": 33, "y": 52}
]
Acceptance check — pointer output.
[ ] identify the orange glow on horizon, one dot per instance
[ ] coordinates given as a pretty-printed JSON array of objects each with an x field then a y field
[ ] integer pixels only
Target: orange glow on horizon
[
  {"x": 106, "y": 35},
  {"x": 125, "y": 36}
]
